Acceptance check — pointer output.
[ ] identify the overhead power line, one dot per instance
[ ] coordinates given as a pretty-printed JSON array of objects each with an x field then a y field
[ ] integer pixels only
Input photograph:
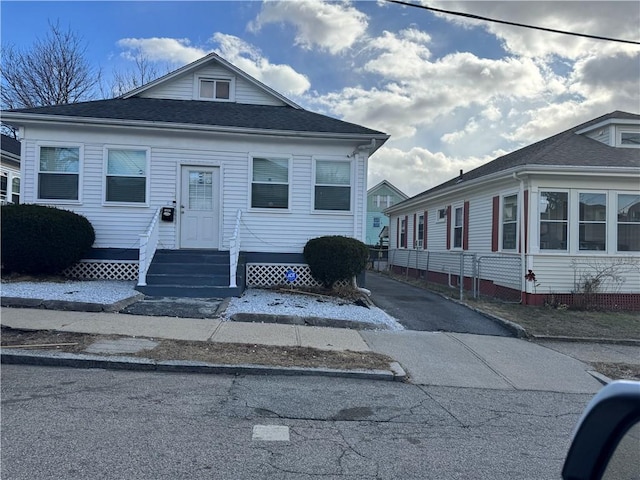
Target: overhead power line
[{"x": 487, "y": 19}]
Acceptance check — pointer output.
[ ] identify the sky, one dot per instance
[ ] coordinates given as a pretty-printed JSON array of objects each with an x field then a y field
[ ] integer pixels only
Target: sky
[{"x": 453, "y": 93}]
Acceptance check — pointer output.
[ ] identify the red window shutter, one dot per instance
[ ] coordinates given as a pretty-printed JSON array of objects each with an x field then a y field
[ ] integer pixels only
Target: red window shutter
[
  {"x": 398, "y": 233},
  {"x": 465, "y": 228},
  {"x": 415, "y": 217},
  {"x": 495, "y": 224},
  {"x": 406, "y": 230},
  {"x": 424, "y": 227},
  {"x": 449, "y": 227},
  {"x": 526, "y": 220}
]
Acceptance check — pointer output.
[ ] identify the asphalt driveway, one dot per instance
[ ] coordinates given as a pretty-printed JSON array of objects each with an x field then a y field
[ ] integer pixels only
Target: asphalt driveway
[{"x": 418, "y": 309}]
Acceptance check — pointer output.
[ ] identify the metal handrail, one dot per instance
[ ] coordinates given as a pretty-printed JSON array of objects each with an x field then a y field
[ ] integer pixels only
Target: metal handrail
[
  {"x": 234, "y": 252},
  {"x": 148, "y": 246}
]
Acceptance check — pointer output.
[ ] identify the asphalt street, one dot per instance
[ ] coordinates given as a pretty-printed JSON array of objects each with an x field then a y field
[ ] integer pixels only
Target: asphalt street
[
  {"x": 419, "y": 309},
  {"x": 78, "y": 424}
]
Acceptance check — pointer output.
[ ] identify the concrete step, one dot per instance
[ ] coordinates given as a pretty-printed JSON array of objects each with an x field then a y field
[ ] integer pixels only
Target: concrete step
[{"x": 189, "y": 291}]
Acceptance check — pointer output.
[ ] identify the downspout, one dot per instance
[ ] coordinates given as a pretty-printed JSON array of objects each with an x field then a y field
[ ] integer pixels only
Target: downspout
[{"x": 523, "y": 246}]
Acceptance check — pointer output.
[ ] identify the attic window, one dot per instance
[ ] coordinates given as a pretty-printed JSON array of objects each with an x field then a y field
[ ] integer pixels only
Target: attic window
[
  {"x": 442, "y": 215},
  {"x": 215, "y": 89},
  {"x": 630, "y": 139}
]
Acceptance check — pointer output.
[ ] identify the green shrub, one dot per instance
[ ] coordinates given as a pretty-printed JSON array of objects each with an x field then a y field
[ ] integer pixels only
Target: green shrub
[
  {"x": 43, "y": 240},
  {"x": 334, "y": 258}
]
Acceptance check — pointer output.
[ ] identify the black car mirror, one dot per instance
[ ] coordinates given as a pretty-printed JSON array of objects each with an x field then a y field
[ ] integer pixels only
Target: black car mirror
[{"x": 605, "y": 443}]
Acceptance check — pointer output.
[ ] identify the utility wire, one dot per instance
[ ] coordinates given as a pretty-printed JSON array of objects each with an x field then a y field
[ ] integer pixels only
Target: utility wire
[{"x": 487, "y": 19}]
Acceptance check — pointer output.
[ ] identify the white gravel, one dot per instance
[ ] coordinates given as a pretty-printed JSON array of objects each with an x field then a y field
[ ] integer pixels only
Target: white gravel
[
  {"x": 252, "y": 301},
  {"x": 95, "y": 291},
  {"x": 284, "y": 303}
]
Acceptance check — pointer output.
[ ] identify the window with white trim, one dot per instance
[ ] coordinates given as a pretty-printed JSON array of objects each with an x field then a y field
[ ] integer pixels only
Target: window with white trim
[
  {"x": 442, "y": 215},
  {"x": 58, "y": 173},
  {"x": 214, "y": 89},
  {"x": 628, "y": 222},
  {"x": 126, "y": 175},
  {"x": 458, "y": 217},
  {"x": 15, "y": 189},
  {"x": 629, "y": 138},
  {"x": 420, "y": 240},
  {"x": 332, "y": 185},
  {"x": 4, "y": 183},
  {"x": 592, "y": 229},
  {"x": 403, "y": 233},
  {"x": 376, "y": 222},
  {"x": 509, "y": 222},
  {"x": 554, "y": 217},
  {"x": 270, "y": 183}
]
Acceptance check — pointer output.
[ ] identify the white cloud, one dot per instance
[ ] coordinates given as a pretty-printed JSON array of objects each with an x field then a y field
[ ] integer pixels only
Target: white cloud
[
  {"x": 282, "y": 78},
  {"x": 332, "y": 26},
  {"x": 417, "y": 169},
  {"x": 174, "y": 50}
]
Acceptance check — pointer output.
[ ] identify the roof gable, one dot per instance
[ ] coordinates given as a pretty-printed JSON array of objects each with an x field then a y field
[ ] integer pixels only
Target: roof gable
[
  {"x": 385, "y": 185},
  {"x": 209, "y": 65},
  {"x": 565, "y": 149}
]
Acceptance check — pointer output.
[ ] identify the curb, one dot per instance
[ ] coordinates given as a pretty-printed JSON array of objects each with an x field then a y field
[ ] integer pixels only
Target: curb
[
  {"x": 612, "y": 341},
  {"x": 303, "y": 321},
  {"x": 395, "y": 373},
  {"x": 69, "y": 306}
]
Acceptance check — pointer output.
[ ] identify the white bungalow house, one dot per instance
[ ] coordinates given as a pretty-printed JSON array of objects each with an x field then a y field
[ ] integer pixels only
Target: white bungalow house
[
  {"x": 205, "y": 159},
  {"x": 9, "y": 170},
  {"x": 556, "y": 221}
]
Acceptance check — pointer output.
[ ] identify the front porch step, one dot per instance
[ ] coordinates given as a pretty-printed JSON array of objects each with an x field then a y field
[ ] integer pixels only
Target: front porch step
[{"x": 191, "y": 273}]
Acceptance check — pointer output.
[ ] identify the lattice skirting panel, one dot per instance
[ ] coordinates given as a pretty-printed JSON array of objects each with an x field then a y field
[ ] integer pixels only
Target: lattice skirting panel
[
  {"x": 261, "y": 275},
  {"x": 103, "y": 270}
]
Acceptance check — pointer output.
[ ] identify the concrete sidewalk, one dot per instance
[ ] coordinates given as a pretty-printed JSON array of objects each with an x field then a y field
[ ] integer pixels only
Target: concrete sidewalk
[{"x": 429, "y": 358}]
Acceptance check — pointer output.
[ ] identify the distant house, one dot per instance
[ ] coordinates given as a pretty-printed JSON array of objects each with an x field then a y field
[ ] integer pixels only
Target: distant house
[
  {"x": 221, "y": 175},
  {"x": 557, "y": 218},
  {"x": 9, "y": 170},
  {"x": 379, "y": 198}
]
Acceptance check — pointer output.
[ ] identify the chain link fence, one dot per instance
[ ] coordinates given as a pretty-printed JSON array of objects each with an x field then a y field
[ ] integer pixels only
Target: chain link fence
[{"x": 495, "y": 276}]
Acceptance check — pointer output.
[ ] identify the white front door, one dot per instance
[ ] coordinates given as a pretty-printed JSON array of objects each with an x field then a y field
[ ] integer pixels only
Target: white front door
[{"x": 199, "y": 207}]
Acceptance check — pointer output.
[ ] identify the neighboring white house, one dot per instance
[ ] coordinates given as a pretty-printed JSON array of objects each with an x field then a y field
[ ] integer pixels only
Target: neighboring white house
[
  {"x": 380, "y": 197},
  {"x": 9, "y": 170},
  {"x": 564, "y": 212},
  {"x": 237, "y": 166}
]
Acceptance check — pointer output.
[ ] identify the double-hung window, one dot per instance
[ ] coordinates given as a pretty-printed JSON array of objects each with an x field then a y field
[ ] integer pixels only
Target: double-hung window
[
  {"x": 376, "y": 222},
  {"x": 554, "y": 211},
  {"x": 458, "y": 226},
  {"x": 509, "y": 222},
  {"x": 270, "y": 183},
  {"x": 58, "y": 173},
  {"x": 420, "y": 241},
  {"x": 403, "y": 233},
  {"x": 214, "y": 89},
  {"x": 126, "y": 175},
  {"x": 333, "y": 185},
  {"x": 592, "y": 230},
  {"x": 628, "y": 223}
]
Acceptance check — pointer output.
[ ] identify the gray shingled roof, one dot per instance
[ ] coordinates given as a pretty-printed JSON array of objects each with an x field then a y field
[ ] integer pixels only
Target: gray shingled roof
[
  {"x": 214, "y": 114},
  {"x": 10, "y": 145},
  {"x": 564, "y": 149}
]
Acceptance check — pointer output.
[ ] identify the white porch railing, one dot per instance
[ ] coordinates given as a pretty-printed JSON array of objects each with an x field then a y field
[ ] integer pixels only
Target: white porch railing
[
  {"x": 234, "y": 252},
  {"x": 148, "y": 245}
]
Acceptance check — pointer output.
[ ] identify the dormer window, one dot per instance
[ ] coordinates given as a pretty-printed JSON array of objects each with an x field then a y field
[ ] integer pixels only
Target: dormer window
[
  {"x": 630, "y": 139},
  {"x": 215, "y": 89}
]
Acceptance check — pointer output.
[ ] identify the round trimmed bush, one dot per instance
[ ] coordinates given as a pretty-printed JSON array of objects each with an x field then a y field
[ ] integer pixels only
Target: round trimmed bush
[
  {"x": 43, "y": 240},
  {"x": 334, "y": 258}
]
